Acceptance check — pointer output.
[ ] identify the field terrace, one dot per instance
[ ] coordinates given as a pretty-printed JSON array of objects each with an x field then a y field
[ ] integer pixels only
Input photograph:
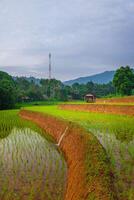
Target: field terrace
[
  {"x": 119, "y": 105},
  {"x": 101, "y": 108},
  {"x": 114, "y": 132},
  {"x": 89, "y": 172}
]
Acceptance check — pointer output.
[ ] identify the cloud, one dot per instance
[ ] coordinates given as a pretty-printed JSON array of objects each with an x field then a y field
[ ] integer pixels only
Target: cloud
[{"x": 84, "y": 37}]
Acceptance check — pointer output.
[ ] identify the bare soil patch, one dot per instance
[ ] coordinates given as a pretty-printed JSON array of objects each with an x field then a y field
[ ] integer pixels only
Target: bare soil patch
[
  {"x": 89, "y": 174},
  {"x": 101, "y": 108},
  {"x": 117, "y": 100}
]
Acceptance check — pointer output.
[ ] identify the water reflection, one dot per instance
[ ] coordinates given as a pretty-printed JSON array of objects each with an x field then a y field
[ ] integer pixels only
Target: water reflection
[{"x": 30, "y": 167}]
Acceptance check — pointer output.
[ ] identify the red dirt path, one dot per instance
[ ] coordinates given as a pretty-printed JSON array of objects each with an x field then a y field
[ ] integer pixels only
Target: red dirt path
[
  {"x": 101, "y": 108},
  {"x": 87, "y": 179}
]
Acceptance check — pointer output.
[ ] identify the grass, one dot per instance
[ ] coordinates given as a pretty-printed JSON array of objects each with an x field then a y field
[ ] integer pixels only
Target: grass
[
  {"x": 94, "y": 121},
  {"x": 30, "y": 165},
  {"x": 9, "y": 119},
  {"x": 116, "y": 134},
  {"x": 35, "y": 103},
  {"x": 53, "y": 102}
]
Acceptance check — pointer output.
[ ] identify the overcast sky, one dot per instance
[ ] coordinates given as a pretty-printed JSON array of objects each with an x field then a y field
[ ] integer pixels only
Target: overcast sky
[{"x": 84, "y": 36}]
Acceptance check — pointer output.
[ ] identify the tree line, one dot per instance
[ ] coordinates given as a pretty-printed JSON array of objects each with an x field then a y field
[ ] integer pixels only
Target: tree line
[{"x": 22, "y": 90}]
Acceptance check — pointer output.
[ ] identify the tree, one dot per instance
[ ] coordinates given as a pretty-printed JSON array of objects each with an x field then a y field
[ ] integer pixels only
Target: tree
[
  {"x": 34, "y": 93},
  {"x": 7, "y": 91},
  {"x": 124, "y": 80},
  {"x": 90, "y": 87},
  {"x": 22, "y": 83},
  {"x": 51, "y": 88}
]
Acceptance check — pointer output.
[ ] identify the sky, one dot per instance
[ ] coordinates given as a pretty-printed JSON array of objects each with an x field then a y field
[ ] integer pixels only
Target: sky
[{"x": 85, "y": 37}]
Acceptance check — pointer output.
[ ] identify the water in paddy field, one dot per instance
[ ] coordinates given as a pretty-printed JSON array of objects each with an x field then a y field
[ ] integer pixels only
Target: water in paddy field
[
  {"x": 121, "y": 154},
  {"x": 31, "y": 168}
]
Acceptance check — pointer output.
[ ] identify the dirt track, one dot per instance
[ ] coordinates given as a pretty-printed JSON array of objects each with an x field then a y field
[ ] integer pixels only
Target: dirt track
[
  {"x": 101, "y": 108},
  {"x": 89, "y": 176}
]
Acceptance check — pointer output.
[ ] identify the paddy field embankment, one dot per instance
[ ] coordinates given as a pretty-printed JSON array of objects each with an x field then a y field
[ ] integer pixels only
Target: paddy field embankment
[
  {"x": 89, "y": 173},
  {"x": 116, "y": 135},
  {"x": 123, "y": 100},
  {"x": 101, "y": 108}
]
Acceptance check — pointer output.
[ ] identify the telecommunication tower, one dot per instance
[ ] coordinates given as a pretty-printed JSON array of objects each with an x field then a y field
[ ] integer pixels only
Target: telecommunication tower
[{"x": 50, "y": 66}]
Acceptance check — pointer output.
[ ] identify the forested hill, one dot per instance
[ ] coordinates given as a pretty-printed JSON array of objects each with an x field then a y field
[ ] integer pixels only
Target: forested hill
[
  {"x": 29, "y": 79},
  {"x": 100, "y": 78}
]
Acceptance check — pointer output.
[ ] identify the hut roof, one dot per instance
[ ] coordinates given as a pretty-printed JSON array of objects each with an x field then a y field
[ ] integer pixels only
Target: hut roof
[{"x": 89, "y": 95}]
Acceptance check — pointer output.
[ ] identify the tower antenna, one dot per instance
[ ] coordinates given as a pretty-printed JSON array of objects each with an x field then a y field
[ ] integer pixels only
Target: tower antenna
[{"x": 50, "y": 66}]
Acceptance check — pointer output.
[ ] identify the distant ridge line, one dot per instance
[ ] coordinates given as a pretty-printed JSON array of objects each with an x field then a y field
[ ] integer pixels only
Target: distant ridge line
[{"x": 100, "y": 78}]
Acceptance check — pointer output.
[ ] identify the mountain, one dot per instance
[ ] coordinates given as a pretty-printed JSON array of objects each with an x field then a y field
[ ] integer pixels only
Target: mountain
[{"x": 100, "y": 78}]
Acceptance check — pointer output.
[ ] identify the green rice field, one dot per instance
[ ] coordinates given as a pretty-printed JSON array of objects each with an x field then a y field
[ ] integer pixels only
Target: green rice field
[
  {"x": 115, "y": 133},
  {"x": 31, "y": 166}
]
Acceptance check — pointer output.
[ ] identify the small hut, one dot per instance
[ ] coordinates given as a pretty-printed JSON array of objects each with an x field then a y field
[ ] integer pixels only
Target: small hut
[
  {"x": 25, "y": 99},
  {"x": 90, "y": 98}
]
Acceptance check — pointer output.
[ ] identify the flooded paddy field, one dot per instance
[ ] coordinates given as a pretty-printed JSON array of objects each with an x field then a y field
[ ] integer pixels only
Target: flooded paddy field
[{"x": 31, "y": 166}]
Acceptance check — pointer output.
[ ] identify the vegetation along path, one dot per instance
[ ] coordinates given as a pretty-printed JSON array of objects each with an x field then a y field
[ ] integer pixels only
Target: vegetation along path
[{"x": 89, "y": 174}]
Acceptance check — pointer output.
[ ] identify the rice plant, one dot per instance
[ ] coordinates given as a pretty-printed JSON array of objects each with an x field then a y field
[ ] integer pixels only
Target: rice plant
[
  {"x": 30, "y": 165},
  {"x": 115, "y": 133}
]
